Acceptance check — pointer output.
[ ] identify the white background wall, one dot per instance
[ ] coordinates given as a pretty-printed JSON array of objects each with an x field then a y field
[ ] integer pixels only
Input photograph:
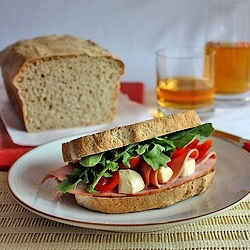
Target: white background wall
[{"x": 131, "y": 29}]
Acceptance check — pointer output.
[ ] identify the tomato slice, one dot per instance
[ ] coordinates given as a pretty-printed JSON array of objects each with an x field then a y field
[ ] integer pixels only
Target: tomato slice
[
  {"x": 178, "y": 152},
  {"x": 134, "y": 162},
  {"x": 108, "y": 183},
  {"x": 193, "y": 144},
  {"x": 203, "y": 148}
]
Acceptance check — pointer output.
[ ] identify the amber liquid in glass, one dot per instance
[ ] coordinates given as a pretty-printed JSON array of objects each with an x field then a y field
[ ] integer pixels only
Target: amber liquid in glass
[
  {"x": 185, "y": 93},
  {"x": 232, "y": 67}
]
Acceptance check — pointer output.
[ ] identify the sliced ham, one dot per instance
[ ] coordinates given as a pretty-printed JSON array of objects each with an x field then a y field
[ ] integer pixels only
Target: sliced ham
[
  {"x": 60, "y": 173},
  {"x": 154, "y": 178},
  {"x": 145, "y": 171},
  {"x": 209, "y": 156},
  {"x": 81, "y": 188},
  {"x": 205, "y": 169},
  {"x": 203, "y": 166},
  {"x": 176, "y": 164}
]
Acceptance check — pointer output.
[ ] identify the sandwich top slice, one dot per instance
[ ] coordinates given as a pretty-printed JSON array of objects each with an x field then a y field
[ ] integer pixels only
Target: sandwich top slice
[
  {"x": 119, "y": 137},
  {"x": 150, "y": 164}
]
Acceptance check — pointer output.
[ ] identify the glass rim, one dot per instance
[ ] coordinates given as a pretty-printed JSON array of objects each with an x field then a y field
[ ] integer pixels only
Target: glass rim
[
  {"x": 228, "y": 3},
  {"x": 211, "y": 51}
]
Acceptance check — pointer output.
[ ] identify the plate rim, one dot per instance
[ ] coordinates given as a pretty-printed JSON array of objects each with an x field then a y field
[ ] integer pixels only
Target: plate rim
[{"x": 132, "y": 227}]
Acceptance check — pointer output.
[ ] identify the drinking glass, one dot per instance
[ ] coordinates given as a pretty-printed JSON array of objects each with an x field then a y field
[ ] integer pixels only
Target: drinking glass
[
  {"x": 228, "y": 32},
  {"x": 185, "y": 80}
]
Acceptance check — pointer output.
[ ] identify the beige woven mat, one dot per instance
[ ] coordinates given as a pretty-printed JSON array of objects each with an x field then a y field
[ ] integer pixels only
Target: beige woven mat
[{"x": 21, "y": 229}]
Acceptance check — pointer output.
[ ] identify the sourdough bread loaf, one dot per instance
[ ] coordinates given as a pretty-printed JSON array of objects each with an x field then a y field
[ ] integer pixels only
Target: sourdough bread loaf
[
  {"x": 117, "y": 137},
  {"x": 162, "y": 199},
  {"x": 61, "y": 81}
]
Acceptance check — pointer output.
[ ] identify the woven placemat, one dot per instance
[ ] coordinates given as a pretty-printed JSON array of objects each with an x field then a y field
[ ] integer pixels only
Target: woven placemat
[{"x": 21, "y": 229}]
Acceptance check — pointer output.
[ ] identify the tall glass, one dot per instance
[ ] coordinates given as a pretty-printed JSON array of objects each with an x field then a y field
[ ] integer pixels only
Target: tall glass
[{"x": 228, "y": 32}]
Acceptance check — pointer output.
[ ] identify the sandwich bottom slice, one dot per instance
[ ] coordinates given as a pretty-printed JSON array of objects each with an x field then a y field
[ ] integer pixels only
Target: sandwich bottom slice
[{"x": 161, "y": 199}]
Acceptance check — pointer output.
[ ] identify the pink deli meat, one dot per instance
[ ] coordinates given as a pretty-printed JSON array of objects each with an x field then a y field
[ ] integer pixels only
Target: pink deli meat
[
  {"x": 203, "y": 166},
  {"x": 60, "y": 173}
]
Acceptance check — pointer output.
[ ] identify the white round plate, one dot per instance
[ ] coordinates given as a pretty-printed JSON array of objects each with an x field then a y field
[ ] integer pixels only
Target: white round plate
[{"x": 230, "y": 186}]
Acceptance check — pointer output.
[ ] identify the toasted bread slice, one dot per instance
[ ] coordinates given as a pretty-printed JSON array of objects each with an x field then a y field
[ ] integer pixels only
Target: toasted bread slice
[
  {"x": 118, "y": 137},
  {"x": 162, "y": 199}
]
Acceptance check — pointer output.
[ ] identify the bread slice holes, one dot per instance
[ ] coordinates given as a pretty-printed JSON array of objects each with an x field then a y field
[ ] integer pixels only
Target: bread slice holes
[{"x": 20, "y": 79}]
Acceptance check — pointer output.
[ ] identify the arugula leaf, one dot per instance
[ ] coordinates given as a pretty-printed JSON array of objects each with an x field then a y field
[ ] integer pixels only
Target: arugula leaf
[
  {"x": 184, "y": 137},
  {"x": 78, "y": 175},
  {"x": 91, "y": 160},
  {"x": 141, "y": 149},
  {"x": 113, "y": 166},
  {"x": 156, "y": 162},
  {"x": 155, "y": 157},
  {"x": 163, "y": 141},
  {"x": 155, "y": 151},
  {"x": 67, "y": 185},
  {"x": 126, "y": 158}
]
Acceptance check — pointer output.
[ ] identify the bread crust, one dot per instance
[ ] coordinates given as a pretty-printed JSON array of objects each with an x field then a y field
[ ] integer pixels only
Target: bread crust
[
  {"x": 14, "y": 57},
  {"x": 118, "y": 137},
  {"x": 162, "y": 199}
]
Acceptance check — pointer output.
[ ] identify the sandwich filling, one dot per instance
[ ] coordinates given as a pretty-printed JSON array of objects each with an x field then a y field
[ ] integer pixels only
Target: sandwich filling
[{"x": 148, "y": 166}]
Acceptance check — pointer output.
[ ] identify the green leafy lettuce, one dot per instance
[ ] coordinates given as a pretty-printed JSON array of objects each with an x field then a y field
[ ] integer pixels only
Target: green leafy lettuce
[{"x": 156, "y": 152}]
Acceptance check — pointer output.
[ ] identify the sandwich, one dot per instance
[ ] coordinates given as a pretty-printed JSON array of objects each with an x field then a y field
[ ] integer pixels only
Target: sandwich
[{"x": 147, "y": 165}]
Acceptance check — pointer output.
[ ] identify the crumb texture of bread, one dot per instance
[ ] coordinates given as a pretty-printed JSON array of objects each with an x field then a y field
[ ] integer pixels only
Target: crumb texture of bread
[
  {"x": 127, "y": 204},
  {"x": 61, "y": 81},
  {"x": 129, "y": 134}
]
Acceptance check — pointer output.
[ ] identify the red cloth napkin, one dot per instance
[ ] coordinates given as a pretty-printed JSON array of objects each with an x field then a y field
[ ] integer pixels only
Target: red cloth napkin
[
  {"x": 247, "y": 146},
  {"x": 9, "y": 152}
]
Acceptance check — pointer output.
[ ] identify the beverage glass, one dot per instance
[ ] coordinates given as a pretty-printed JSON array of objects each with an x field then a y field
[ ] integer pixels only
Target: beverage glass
[
  {"x": 228, "y": 32},
  {"x": 185, "y": 80}
]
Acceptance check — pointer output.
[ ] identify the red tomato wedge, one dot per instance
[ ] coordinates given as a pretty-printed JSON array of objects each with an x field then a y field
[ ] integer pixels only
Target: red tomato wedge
[
  {"x": 203, "y": 148},
  {"x": 193, "y": 144},
  {"x": 108, "y": 183},
  {"x": 134, "y": 162},
  {"x": 178, "y": 152}
]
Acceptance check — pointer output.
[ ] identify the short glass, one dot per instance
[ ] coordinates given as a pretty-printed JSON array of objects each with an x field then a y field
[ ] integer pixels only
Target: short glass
[
  {"x": 228, "y": 32},
  {"x": 185, "y": 80}
]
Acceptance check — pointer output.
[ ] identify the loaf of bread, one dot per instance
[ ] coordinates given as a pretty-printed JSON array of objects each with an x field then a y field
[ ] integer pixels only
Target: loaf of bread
[
  {"x": 61, "y": 81},
  {"x": 117, "y": 137}
]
